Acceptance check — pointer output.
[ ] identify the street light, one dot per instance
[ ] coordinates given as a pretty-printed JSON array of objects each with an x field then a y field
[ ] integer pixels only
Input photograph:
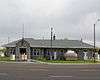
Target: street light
[{"x": 95, "y": 39}]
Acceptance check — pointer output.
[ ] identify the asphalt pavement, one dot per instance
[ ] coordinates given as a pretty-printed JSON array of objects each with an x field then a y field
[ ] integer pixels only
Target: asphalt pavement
[{"x": 31, "y": 71}]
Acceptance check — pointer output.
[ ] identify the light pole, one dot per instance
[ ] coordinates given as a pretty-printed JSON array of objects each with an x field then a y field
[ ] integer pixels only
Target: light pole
[
  {"x": 95, "y": 39},
  {"x": 51, "y": 43}
]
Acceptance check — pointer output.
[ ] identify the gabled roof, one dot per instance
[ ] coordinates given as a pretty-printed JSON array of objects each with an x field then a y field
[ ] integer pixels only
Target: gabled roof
[{"x": 55, "y": 43}]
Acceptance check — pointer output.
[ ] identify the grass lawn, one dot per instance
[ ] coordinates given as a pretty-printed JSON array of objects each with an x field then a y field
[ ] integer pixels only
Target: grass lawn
[
  {"x": 54, "y": 61},
  {"x": 4, "y": 58},
  {"x": 69, "y": 61}
]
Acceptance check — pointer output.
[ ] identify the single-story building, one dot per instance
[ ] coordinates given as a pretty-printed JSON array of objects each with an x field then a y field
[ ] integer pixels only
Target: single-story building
[{"x": 29, "y": 48}]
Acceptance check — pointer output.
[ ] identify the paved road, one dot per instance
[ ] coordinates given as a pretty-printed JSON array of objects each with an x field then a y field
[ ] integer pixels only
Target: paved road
[
  {"x": 74, "y": 72},
  {"x": 25, "y": 71}
]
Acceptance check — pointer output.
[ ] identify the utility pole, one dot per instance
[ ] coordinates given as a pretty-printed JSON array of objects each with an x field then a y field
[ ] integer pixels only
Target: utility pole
[
  {"x": 51, "y": 43},
  {"x": 95, "y": 40},
  {"x": 23, "y": 31},
  {"x": 22, "y": 35},
  {"x": 94, "y": 43},
  {"x": 8, "y": 39}
]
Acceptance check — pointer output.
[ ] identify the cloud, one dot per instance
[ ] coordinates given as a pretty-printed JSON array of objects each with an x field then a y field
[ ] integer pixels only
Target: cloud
[{"x": 71, "y": 19}]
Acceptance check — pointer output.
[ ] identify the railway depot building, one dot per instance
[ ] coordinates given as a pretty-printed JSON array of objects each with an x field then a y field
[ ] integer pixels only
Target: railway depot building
[{"x": 29, "y": 48}]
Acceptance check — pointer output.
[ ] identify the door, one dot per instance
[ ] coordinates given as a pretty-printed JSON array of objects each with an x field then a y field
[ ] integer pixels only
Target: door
[{"x": 23, "y": 54}]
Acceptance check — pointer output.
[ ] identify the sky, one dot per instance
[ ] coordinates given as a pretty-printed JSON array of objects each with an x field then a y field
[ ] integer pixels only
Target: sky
[{"x": 70, "y": 19}]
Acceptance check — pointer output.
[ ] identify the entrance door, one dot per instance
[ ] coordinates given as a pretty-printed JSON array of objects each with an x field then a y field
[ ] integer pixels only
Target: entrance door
[{"x": 23, "y": 54}]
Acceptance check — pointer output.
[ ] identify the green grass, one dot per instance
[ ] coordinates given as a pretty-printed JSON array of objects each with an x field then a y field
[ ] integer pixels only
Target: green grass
[
  {"x": 54, "y": 61},
  {"x": 69, "y": 61},
  {"x": 4, "y": 58}
]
